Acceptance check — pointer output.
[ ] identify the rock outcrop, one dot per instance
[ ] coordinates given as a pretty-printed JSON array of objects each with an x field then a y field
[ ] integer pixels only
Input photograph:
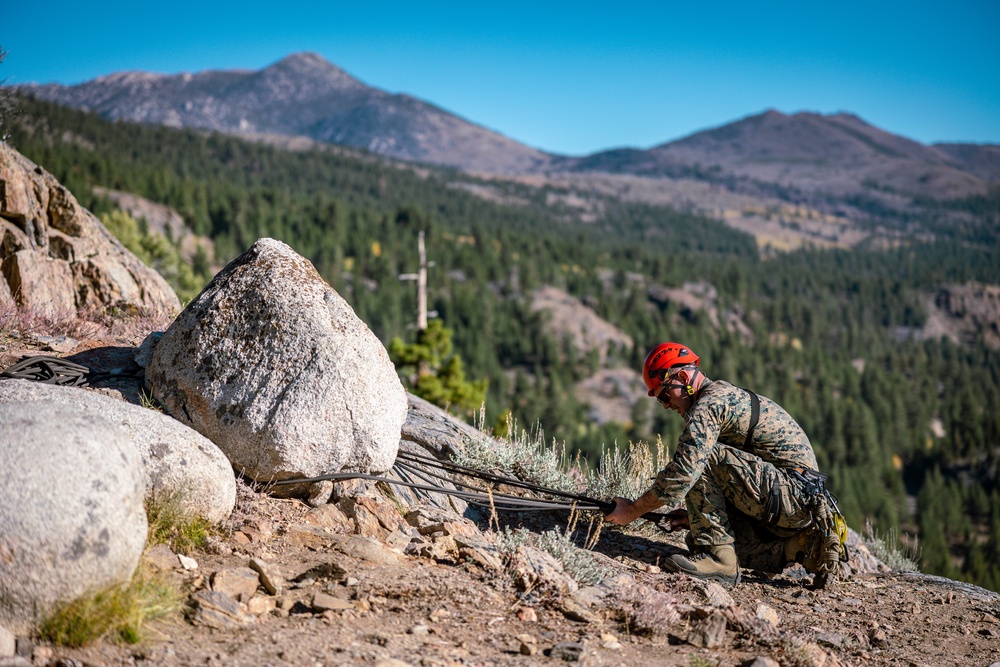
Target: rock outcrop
[
  {"x": 71, "y": 512},
  {"x": 273, "y": 366},
  {"x": 180, "y": 465},
  {"x": 576, "y": 321},
  {"x": 57, "y": 257}
]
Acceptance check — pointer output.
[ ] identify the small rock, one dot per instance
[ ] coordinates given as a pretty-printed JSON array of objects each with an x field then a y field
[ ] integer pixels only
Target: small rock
[
  {"x": 161, "y": 557},
  {"x": 328, "y": 516},
  {"x": 145, "y": 350},
  {"x": 836, "y": 640},
  {"x": 187, "y": 562},
  {"x": 714, "y": 593},
  {"x": 268, "y": 575},
  {"x": 218, "y": 610},
  {"x": 258, "y": 606},
  {"x": 42, "y": 655},
  {"x": 568, "y": 651},
  {"x": 527, "y": 614},
  {"x": 575, "y": 611},
  {"x": 533, "y": 568},
  {"x": 769, "y": 614},
  {"x": 61, "y": 344},
  {"x": 763, "y": 661},
  {"x": 419, "y": 629},
  {"x": 709, "y": 632},
  {"x": 15, "y": 661},
  {"x": 989, "y": 632},
  {"x": 8, "y": 643},
  {"x": 397, "y": 540},
  {"x": 528, "y": 644},
  {"x": 322, "y": 602},
  {"x": 239, "y": 583},
  {"x": 319, "y": 493},
  {"x": 363, "y": 548},
  {"x": 392, "y": 662},
  {"x": 610, "y": 642}
]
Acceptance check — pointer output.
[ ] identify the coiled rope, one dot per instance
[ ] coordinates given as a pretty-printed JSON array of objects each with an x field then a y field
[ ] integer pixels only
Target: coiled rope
[{"x": 56, "y": 370}]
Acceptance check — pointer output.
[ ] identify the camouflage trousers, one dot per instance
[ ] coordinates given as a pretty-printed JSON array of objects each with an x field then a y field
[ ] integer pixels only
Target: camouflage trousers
[{"x": 729, "y": 502}]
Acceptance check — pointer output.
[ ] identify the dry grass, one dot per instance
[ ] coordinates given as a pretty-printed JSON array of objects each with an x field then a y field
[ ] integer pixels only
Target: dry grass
[
  {"x": 171, "y": 524},
  {"x": 119, "y": 614},
  {"x": 888, "y": 550},
  {"x": 23, "y": 324}
]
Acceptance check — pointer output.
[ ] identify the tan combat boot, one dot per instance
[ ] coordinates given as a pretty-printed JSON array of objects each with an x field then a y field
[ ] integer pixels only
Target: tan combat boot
[{"x": 717, "y": 562}]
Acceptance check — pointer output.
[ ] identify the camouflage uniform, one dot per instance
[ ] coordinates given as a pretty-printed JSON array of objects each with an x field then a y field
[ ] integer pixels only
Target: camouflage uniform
[{"x": 726, "y": 486}]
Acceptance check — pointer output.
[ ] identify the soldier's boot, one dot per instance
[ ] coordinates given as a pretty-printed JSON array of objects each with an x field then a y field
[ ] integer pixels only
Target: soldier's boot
[{"x": 717, "y": 562}]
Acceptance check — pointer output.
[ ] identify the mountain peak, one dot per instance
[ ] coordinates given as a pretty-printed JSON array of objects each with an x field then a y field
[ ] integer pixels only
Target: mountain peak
[{"x": 305, "y": 59}]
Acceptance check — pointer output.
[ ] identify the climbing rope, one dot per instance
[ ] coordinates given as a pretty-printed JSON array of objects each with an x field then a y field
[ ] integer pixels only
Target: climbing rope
[
  {"x": 56, "y": 370},
  {"x": 407, "y": 462}
]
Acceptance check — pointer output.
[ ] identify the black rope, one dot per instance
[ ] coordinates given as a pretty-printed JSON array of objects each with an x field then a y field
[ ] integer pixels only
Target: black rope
[
  {"x": 498, "y": 500},
  {"x": 48, "y": 370},
  {"x": 56, "y": 370}
]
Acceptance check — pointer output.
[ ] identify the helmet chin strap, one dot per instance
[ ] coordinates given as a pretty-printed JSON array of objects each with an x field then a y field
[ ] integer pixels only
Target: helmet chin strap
[{"x": 689, "y": 388}]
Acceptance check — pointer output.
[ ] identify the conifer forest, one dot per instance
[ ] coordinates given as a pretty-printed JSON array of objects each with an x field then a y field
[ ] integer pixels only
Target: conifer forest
[{"x": 908, "y": 427}]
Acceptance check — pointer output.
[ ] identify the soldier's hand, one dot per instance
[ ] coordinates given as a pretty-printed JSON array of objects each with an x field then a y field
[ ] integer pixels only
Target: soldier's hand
[
  {"x": 676, "y": 520},
  {"x": 622, "y": 514}
]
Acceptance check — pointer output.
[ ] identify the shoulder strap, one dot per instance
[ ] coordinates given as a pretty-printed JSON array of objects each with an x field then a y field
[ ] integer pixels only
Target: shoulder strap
[{"x": 754, "y": 416}]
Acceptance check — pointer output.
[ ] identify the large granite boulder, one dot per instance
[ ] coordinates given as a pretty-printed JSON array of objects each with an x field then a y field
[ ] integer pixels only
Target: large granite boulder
[
  {"x": 57, "y": 257},
  {"x": 71, "y": 512},
  {"x": 181, "y": 466},
  {"x": 274, "y": 367}
]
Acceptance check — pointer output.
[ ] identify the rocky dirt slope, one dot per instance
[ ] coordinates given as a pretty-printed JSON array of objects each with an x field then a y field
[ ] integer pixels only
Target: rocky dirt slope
[{"x": 365, "y": 580}]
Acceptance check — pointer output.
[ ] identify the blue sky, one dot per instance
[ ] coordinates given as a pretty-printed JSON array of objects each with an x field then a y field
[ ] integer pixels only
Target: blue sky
[{"x": 570, "y": 78}]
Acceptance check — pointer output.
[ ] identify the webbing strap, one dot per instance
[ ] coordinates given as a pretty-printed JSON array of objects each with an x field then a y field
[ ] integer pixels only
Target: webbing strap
[{"x": 754, "y": 417}]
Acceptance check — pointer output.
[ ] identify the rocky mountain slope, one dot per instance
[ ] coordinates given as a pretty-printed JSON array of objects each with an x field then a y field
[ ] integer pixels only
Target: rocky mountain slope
[
  {"x": 791, "y": 180},
  {"x": 839, "y": 154},
  {"x": 305, "y": 95}
]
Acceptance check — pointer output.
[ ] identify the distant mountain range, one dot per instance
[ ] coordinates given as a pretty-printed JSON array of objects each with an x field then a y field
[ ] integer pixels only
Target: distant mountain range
[{"x": 792, "y": 157}]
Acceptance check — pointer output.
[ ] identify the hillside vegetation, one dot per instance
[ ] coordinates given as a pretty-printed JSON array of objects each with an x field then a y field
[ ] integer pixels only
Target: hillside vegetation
[{"x": 908, "y": 427}]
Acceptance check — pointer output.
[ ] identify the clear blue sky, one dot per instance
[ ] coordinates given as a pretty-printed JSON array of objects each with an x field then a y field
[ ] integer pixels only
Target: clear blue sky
[{"x": 567, "y": 77}]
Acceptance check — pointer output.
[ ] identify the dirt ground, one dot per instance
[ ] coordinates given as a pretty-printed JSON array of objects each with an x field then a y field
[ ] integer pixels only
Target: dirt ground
[{"x": 407, "y": 610}]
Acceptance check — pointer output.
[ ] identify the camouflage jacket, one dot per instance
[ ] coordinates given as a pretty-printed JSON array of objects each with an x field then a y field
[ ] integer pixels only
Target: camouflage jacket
[{"x": 721, "y": 414}]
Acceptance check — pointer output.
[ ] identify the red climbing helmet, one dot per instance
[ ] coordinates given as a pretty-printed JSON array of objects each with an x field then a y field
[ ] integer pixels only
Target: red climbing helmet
[{"x": 661, "y": 359}]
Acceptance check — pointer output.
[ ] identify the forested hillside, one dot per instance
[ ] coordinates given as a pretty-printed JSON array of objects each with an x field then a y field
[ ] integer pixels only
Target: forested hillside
[{"x": 835, "y": 334}]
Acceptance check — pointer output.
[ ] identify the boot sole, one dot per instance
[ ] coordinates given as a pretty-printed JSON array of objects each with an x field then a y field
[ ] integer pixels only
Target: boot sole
[{"x": 721, "y": 578}]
